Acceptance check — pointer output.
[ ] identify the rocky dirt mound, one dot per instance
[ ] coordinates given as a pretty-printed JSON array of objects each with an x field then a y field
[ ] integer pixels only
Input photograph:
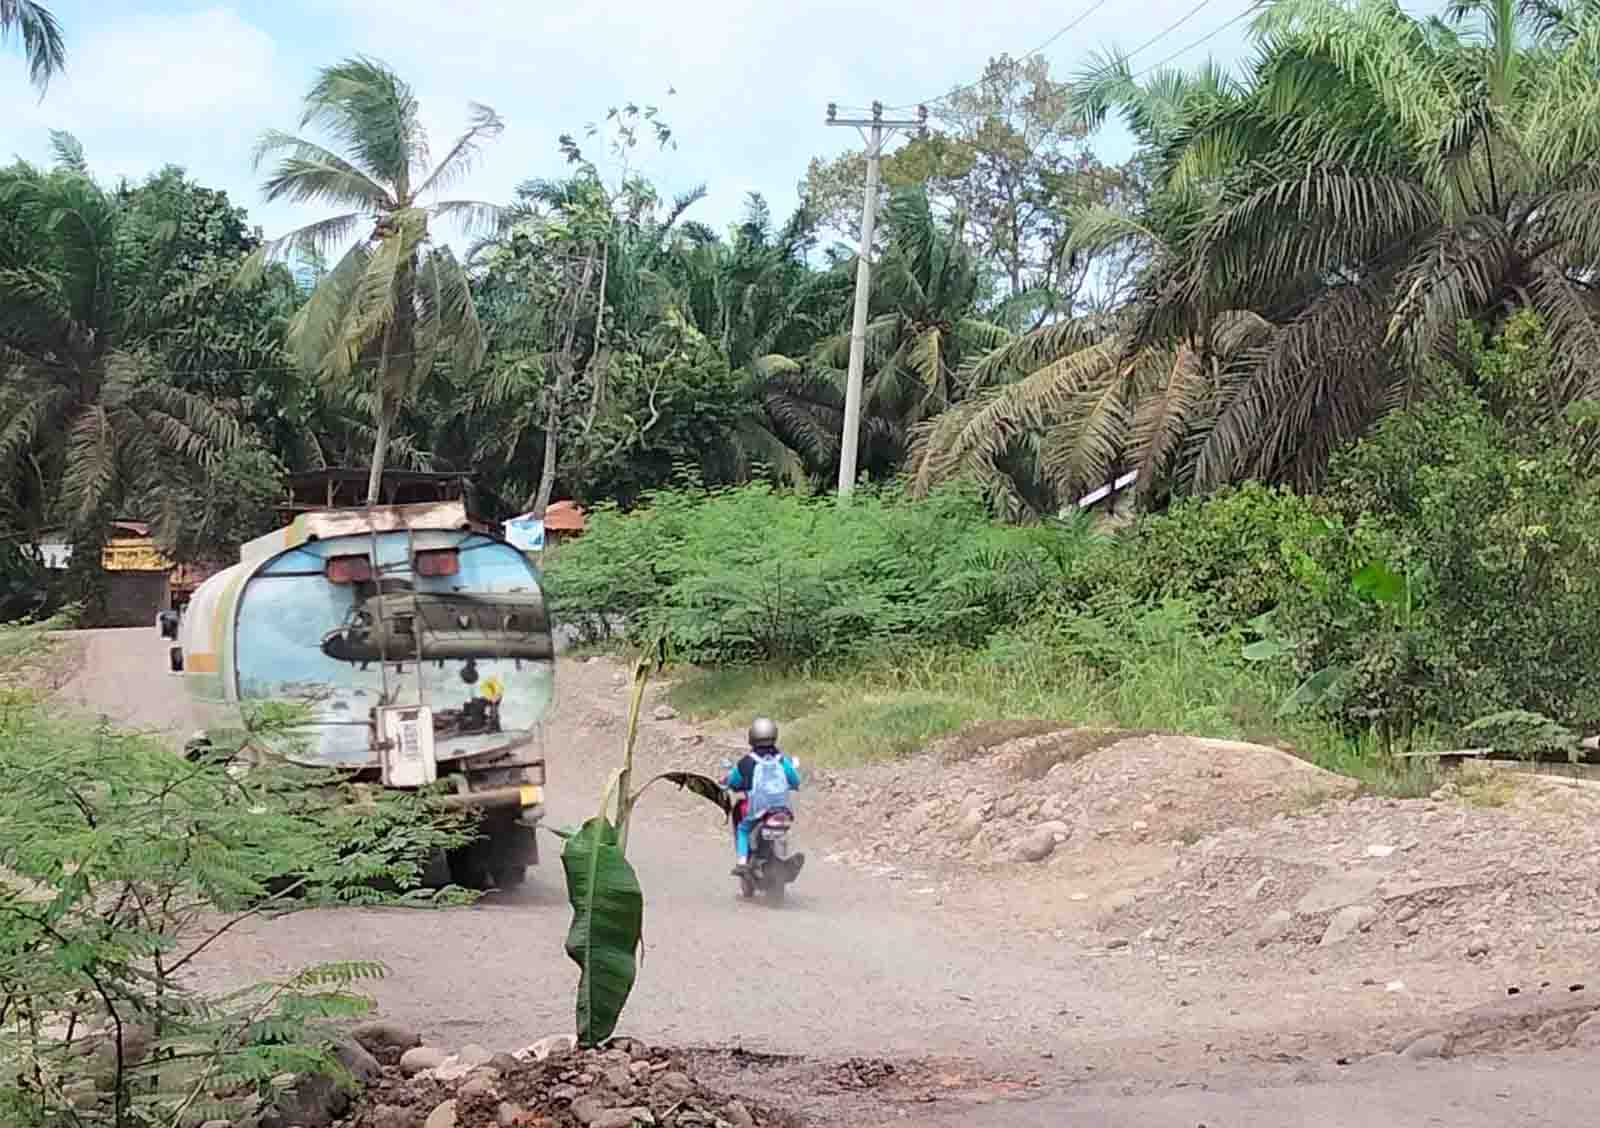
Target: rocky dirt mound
[
  {"x": 552, "y": 1085},
  {"x": 1446, "y": 877},
  {"x": 1055, "y": 797}
]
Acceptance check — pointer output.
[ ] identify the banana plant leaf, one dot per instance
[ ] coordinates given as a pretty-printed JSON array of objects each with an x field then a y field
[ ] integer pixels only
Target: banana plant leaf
[
  {"x": 607, "y": 924},
  {"x": 702, "y": 785}
]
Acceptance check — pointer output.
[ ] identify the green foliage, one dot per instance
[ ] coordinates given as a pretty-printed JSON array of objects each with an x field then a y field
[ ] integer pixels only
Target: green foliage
[
  {"x": 607, "y": 926},
  {"x": 752, "y": 574},
  {"x": 1526, "y": 734},
  {"x": 214, "y": 510},
  {"x": 607, "y": 902},
  {"x": 1236, "y": 554},
  {"x": 121, "y": 864}
]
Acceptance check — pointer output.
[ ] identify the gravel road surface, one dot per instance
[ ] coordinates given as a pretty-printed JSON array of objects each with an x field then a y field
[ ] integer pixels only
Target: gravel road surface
[{"x": 853, "y": 965}]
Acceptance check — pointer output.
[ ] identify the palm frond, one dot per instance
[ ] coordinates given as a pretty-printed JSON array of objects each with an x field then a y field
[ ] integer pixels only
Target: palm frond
[
  {"x": 310, "y": 173},
  {"x": 374, "y": 116},
  {"x": 43, "y": 45},
  {"x": 483, "y": 125}
]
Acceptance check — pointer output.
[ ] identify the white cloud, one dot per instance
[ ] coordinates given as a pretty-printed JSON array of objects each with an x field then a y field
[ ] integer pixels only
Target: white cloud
[
  {"x": 191, "y": 89},
  {"x": 753, "y": 78}
]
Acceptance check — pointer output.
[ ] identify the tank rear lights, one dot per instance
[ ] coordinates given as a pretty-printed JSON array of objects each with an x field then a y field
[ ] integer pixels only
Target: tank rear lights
[
  {"x": 355, "y": 569},
  {"x": 435, "y": 562}
]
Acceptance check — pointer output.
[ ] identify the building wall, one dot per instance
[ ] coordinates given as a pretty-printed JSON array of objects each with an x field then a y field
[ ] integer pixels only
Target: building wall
[{"x": 133, "y": 598}]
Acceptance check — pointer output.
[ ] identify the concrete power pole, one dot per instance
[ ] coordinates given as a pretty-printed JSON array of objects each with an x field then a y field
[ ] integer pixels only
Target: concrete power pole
[{"x": 875, "y": 131}]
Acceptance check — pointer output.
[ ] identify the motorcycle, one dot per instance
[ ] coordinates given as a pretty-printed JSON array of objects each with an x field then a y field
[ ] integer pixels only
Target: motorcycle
[{"x": 772, "y": 867}]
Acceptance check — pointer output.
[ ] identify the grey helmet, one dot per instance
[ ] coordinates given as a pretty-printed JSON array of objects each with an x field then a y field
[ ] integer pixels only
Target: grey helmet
[{"x": 763, "y": 732}]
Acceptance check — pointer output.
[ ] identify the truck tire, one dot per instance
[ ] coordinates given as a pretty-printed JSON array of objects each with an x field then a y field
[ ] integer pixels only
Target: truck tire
[
  {"x": 510, "y": 876},
  {"x": 500, "y": 856}
]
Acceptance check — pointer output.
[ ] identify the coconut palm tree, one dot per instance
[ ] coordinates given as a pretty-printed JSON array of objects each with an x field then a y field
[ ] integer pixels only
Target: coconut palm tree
[
  {"x": 42, "y": 43},
  {"x": 395, "y": 299},
  {"x": 923, "y": 327},
  {"x": 86, "y": 417}
]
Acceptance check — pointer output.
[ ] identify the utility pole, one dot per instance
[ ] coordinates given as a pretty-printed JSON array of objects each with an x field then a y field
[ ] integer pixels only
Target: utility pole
[{"x": 875, "y": 131}]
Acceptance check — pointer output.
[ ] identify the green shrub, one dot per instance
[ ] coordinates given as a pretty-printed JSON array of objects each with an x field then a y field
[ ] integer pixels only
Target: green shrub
[
  {"x": 120, "y": 863},
  {"x": 1231, "y": 555},
  {"x": 750, "y": 574},
  {"x": 1490, "y": 517}
]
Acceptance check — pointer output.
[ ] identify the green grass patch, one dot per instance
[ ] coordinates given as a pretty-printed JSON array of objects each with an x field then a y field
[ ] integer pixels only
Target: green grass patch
[
  {"x": 1164, "y": 677},
  {"x": 869, "y": 728},
  {"x": 746, "y": 689}
]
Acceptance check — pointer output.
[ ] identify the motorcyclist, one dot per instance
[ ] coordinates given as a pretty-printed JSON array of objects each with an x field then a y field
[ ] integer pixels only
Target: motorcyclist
[{"x": 763, "y": 779}]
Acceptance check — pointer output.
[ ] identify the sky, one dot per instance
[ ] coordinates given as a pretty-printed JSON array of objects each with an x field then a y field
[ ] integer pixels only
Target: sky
[{"x": 194, "y": 83}]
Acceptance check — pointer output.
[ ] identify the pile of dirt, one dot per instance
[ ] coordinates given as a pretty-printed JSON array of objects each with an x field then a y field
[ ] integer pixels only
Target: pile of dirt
[
  {"x": 1057, "y": 798},
  {"x": 1445, "y": 877},
  {"x": 1180, "y": 850},
  {"x": 553, "y": 1085}
]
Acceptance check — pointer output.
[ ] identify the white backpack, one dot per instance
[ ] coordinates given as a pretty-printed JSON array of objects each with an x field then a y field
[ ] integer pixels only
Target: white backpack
[{"x": 769, "y": 784}]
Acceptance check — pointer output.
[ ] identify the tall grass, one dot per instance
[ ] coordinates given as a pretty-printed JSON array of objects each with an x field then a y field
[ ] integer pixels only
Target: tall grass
[{"x": 1168, "y": 677}]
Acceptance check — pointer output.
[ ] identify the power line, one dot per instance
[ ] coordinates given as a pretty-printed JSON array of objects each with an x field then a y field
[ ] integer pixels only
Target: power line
[
  {"x": 1169, "y": 29},
  {"x": 1091, "y": 10},
  {"x": 1206, "y": 38}
]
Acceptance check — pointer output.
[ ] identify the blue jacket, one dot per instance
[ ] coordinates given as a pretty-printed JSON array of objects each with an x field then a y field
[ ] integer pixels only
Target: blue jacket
[{"x": 741, "y": 774}]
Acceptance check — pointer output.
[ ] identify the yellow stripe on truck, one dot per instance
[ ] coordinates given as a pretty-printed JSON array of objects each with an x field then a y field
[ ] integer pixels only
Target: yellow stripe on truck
[
  {"x": 200, "y": 663},
  {"x": 531, "y": 794}
]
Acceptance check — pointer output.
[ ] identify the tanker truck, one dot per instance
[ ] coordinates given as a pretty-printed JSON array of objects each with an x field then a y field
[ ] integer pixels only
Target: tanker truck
[{"x": 414, "y": 641}]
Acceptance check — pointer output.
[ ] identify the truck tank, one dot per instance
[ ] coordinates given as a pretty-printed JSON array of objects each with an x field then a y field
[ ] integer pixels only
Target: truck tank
[{"x": 413, "y": 637}]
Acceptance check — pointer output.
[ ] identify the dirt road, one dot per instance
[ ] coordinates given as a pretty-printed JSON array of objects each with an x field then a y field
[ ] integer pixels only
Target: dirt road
[{"x": 865, "y": 965}]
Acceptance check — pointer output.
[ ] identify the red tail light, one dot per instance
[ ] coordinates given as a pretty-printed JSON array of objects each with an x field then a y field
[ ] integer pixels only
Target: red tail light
[
  {"x": 348, "y": 569},
  {"x": 437, "y": 562}
]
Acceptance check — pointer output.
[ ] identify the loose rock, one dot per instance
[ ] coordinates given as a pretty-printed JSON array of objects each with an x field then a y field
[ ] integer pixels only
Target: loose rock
[
  {"x": 739, "y": 1116},
  {"x": 1587, "y": 1036},
  {"x": 443, "y": 1116},
  {"x": 553, "y": 1047},
  {"x": 314, "y": 1101},
  {"x": 364, "y": 1067},
  {"x": 1477, "y": 949},
  {"x": 1347, "y": 922},
  {"x": 1426, "y": 1047},
  {"x": 1274, "y": 927},
  {"x": 664, "y": 713},
  {"x": 385, "y": 1040},
  {"x": 393, "y": 1116},
  {"x": 1036, "y": 846},
  {"x": 420, "y": 1058},
  {"x": 1340, "y": 892}
]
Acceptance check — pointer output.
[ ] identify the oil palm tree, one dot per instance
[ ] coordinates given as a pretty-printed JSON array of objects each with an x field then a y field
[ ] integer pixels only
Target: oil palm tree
[
  {"x": 42, "y": 45},
  {"x": 1060, "y": 409},
  {"x": 86, "y": 417},
  {"x": 754, "y": 294},
  {"x": 1385, "y": 179},
  {"x": 395, "y": 300}
]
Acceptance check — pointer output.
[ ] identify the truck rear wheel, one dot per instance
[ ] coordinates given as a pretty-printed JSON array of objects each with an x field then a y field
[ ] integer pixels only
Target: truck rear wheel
[{"x": 500, "y": 856}]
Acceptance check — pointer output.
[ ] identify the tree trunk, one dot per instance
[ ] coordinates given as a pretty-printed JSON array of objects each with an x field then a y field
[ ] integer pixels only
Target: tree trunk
[
  {"x": 564, "y": 363},
  {"x": 375, "y": 478},
  {"x": 547, "y": 476},
  {"x": 395, "y": 366}
]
